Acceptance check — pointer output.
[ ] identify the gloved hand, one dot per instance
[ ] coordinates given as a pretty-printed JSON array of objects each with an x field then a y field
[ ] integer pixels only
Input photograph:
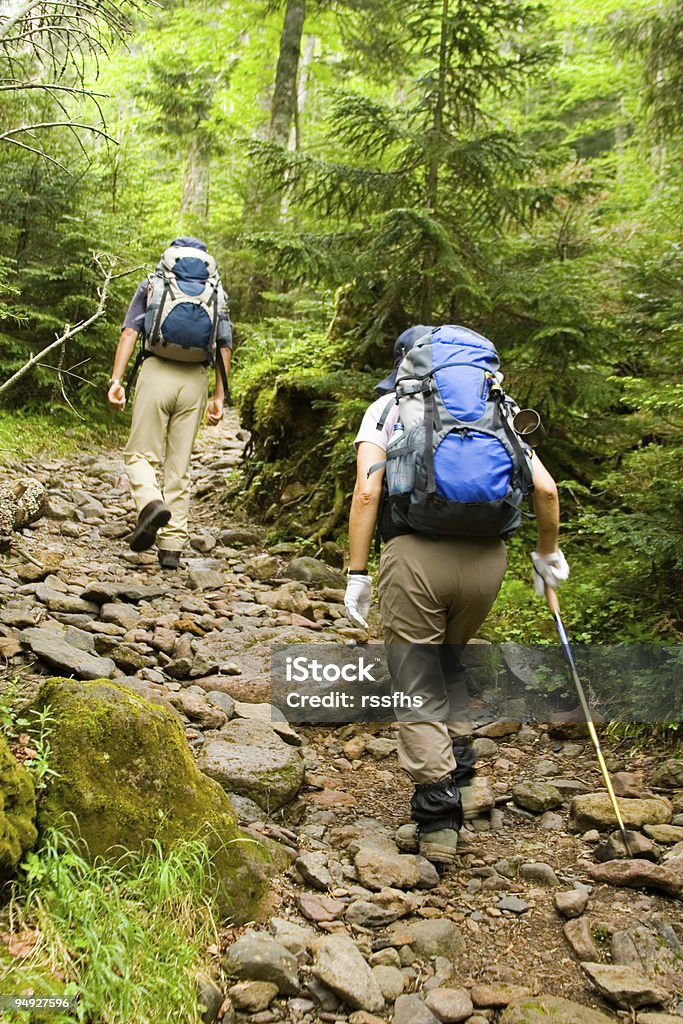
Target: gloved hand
[
  {"x": 550, "y": 570},
  {"x": 358, "y": 598}
]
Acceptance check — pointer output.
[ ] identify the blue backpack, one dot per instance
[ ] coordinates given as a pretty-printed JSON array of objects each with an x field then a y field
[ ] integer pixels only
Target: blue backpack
[{"x": 455, "y": 466}]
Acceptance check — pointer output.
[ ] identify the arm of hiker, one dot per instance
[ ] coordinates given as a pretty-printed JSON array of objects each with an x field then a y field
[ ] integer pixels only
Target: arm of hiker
[
  {"x": 116, "y": 395},
  {"x": 362, "y": 520},
  {"x": 214, "y": 410},
  {"x": 550, "y": 565}
]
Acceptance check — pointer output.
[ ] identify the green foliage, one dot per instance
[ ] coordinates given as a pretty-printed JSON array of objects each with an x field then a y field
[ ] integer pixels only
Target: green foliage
[
  {"x": 510, "y": 166},
  {"x": 127, "y": 938},
  {"x": 10, "y": 719},
  {"x": 26, "y": 435},
  {"x": 656, "y": 38},
  {"x": 419, "y": 182},
  {"x": 38, "y": 727}
]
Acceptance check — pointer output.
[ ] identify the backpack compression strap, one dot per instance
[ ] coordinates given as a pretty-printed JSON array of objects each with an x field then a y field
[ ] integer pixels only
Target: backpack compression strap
[
  {"x": 154, "y": 333},
  {"x": 527, "y": 480}
]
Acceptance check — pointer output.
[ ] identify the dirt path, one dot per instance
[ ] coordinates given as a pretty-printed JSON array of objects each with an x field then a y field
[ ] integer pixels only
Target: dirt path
[{"x": 207, "y": 629}]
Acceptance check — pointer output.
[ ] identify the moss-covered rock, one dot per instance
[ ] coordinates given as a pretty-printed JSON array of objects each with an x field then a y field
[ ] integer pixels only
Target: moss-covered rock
[
  {"x": 17, "y": 812},
  {"x": 127, "y": 776},
  {"x": 594, "y": 810},
  {"x": 545, "y": 1009}
]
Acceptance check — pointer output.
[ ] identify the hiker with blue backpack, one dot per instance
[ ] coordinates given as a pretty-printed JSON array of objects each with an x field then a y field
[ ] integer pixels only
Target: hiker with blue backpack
[
  {"x": 441, "y": 474},
  {"x": 182, "y": 316}
]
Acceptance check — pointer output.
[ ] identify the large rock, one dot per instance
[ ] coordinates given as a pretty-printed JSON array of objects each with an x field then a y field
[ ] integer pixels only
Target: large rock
[
  {"x": 450, "y": 1005},
  {"x": 536, "y": 796},
  {"x": 643, "y": 874},
  {"x": 390, "y": 980},
  {"x": 259, "y": 957},
  {"x": 625, "y": 986},
  {"x": 314, "y": 572},
  {"x": 496, "y": 995},
  {"x": 317, "y": 907},
  {"x": 594, "y": 810},
  {"x": 105, "y": 592},
  {"x": 381, "y": 908},
  {"x": 340, "y": 965},
  {"x": 669, "y": 774},
  {"x": 380, "y": 868},
  {"x": 21, "y": 503},
  {"x": 17, "y": 812},
  {"x": 410, "y": 1009},
  {"x": 572, "y": 903},
  {"x": 249, "y": 758},
  {"x": 666, "y": 834},
  {"x": 437, "y": 937},
  {"x": 580, "y": 937},
  {"x": 125, "y": 771},
  {"x": 52, "y": 648},
  {"x": 252, "y": 996},
  {"x": 292, "y": 597},
  {"x": 292, "y": 936},
  {"x": 57, "y": 601},
  {"x": 544, "y": 1009}
]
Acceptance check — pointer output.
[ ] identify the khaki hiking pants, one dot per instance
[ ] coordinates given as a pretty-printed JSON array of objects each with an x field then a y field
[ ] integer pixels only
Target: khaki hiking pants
[
  {"x": 170, "y": 399},
  {"x": 432, "y": 594}
]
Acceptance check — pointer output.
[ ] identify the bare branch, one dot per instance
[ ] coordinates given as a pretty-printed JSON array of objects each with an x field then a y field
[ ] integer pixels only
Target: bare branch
[
  {"x": 40, "y": 152},
  {"x": 69, "y": 332},
  {"x": 18, "y": 16},
  {"x": 17, "y": 86},
  {"x": 60, "y": 37},
  {"x": 55, "y": 124},
  {"x": 68, "y": 373},
  {"x": 60, "y": 374}
]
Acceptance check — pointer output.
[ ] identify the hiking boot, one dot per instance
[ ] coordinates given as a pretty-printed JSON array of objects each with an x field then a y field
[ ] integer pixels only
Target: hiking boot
[
  {"x": 407, "y": 838},
  {"x": 439, "y": 847},
  {"x": 168, "y": 559},
  {"x": 154, "y": 515}
]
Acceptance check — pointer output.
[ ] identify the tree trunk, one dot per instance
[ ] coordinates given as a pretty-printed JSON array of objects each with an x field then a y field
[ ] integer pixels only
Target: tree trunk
[
  {"x": 284, "y": 105},
  {"x": 429, "y": 259},
  {"x": 196, "y": 186}
]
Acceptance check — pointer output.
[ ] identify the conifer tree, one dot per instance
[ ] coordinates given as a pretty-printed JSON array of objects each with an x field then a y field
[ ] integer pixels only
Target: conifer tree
[{"x": 420, "y": 177}]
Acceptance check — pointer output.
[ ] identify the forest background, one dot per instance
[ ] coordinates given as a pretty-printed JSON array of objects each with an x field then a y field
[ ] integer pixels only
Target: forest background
[{"x": 357, "y": 166}]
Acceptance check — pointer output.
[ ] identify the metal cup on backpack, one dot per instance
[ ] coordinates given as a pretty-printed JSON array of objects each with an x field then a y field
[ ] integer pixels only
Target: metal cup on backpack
[{"x": 527, "y": 423}]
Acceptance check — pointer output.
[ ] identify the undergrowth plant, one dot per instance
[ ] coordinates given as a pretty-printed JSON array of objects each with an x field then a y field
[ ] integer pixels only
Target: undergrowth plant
[
  {"x": 127, "y": 938},
  {"x": 36, "y": 725}
]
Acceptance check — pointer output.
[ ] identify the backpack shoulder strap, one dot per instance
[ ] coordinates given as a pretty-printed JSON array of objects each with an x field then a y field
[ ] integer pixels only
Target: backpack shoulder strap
[
  {"x": 515, "y": 444},
  {"x": 385, "y": 412},
  {"x": 139, "y": 357}
]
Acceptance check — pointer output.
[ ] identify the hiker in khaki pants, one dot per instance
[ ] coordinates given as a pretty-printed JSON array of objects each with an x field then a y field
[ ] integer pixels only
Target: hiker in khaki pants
[
  {"x": 170, "y": 399},
  {"x": 434, "y": 593}
]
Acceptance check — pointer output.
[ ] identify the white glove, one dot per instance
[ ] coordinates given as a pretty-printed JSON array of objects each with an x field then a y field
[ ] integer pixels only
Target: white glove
[
  {"x": 550, "y": 570},
  {"x": 358, "y": 598}
]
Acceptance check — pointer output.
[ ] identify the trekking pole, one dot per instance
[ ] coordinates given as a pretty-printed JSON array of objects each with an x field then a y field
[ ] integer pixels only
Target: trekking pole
[{"x": 554, "y": 605}]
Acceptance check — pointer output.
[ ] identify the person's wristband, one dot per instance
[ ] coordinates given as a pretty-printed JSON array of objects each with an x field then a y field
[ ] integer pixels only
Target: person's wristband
[
  {"x": 114, "y": 380},
  {"x": 357, "y": 572}
]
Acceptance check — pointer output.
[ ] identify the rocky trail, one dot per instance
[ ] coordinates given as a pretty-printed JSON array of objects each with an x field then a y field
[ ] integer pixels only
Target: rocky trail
[{"x": 541, "y": 919}]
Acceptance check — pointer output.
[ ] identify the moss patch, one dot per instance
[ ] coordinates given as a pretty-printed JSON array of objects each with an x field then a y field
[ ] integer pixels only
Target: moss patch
[
  {"x": 17, "y": 812},
  {"x": 127, "y": 776}
]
